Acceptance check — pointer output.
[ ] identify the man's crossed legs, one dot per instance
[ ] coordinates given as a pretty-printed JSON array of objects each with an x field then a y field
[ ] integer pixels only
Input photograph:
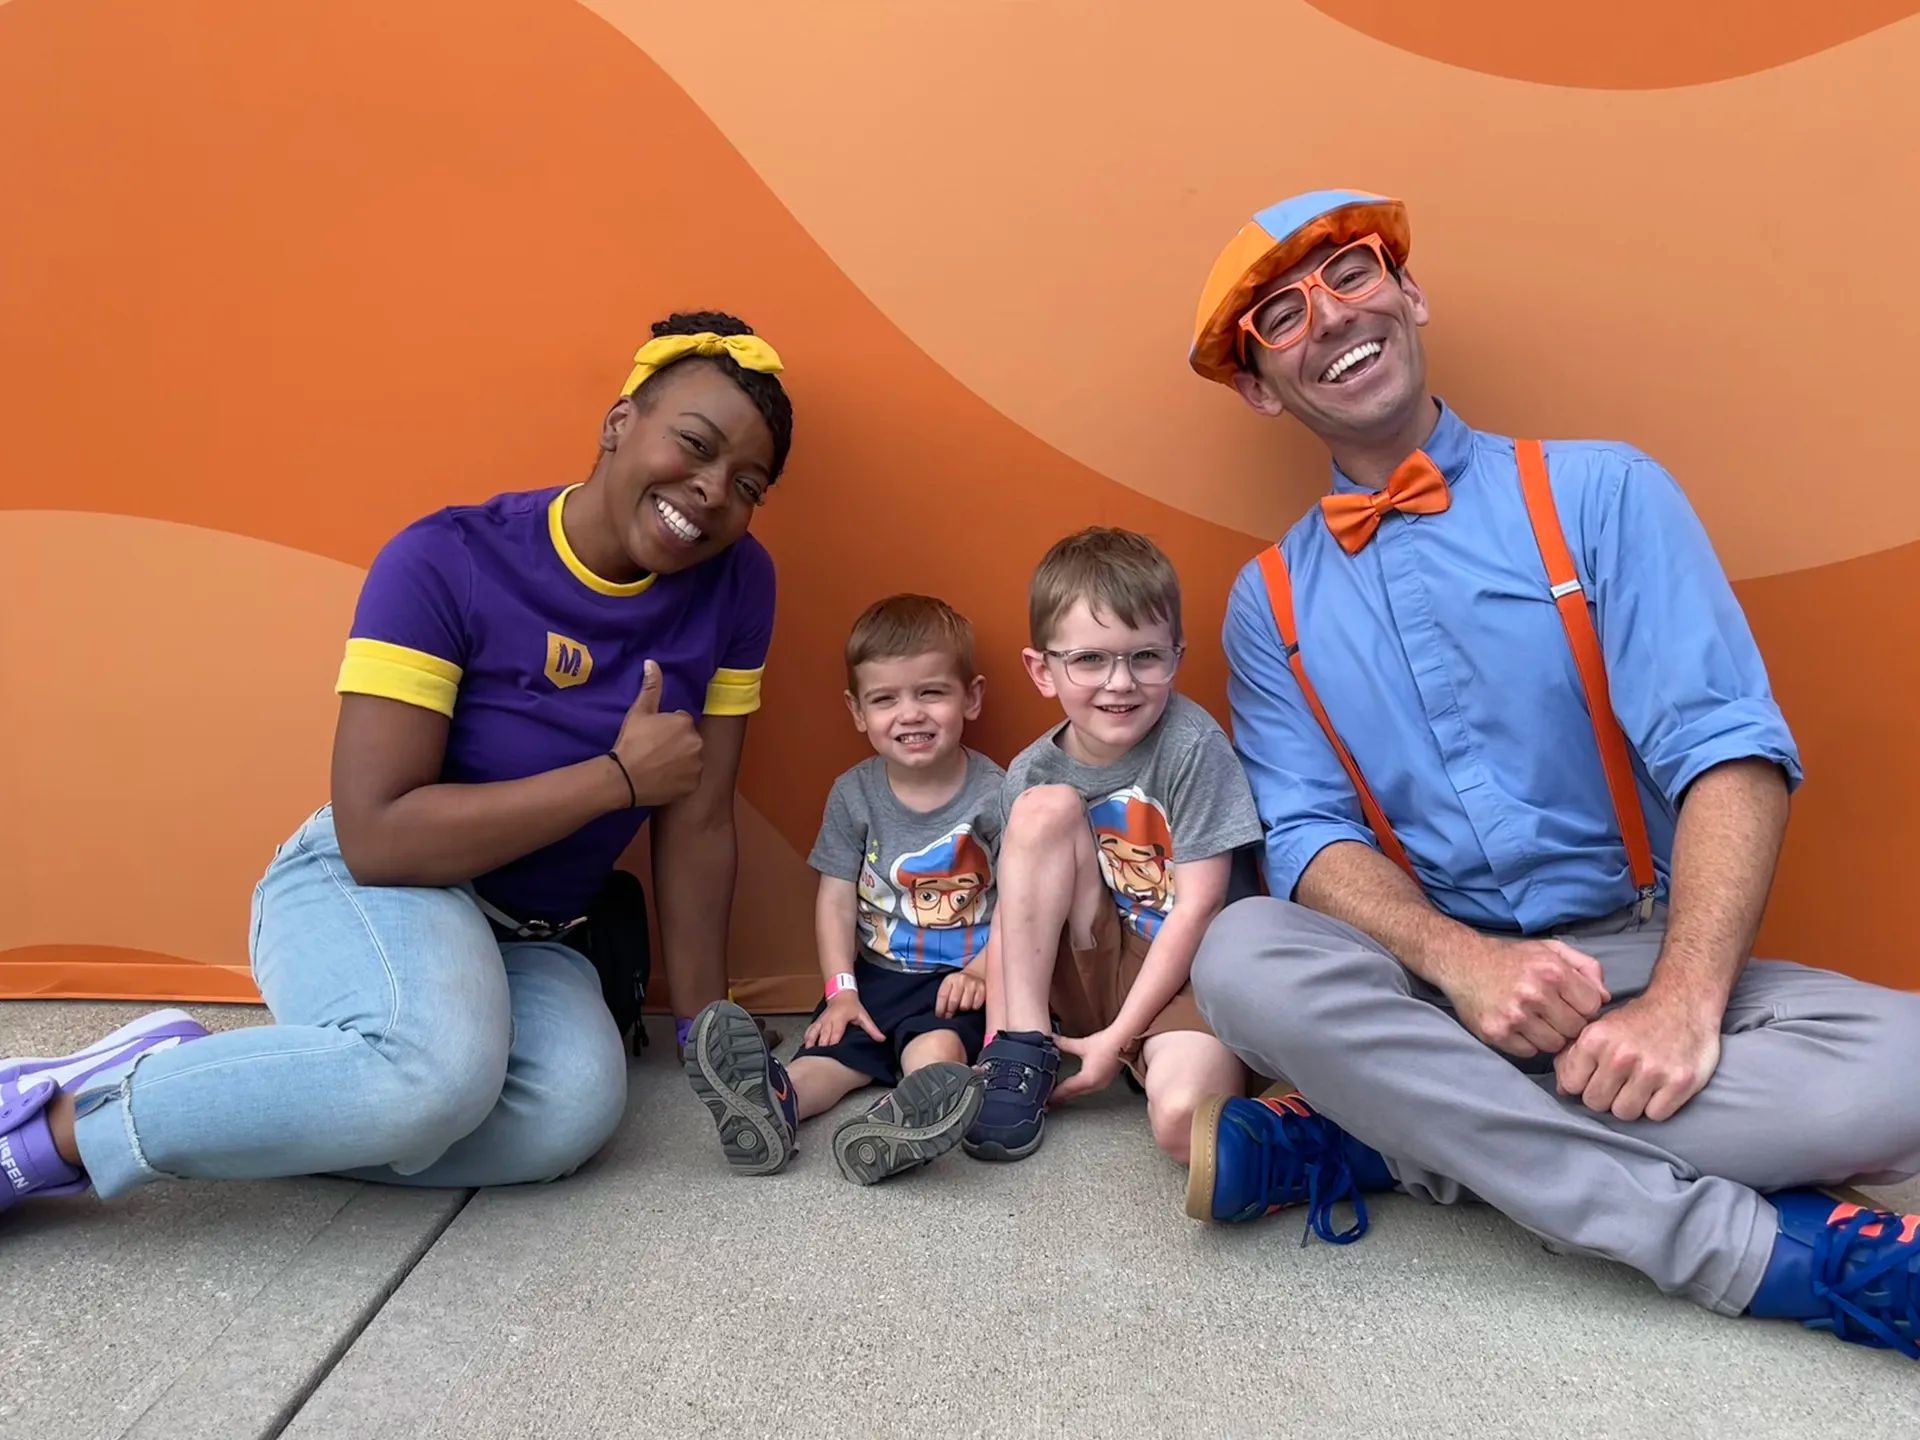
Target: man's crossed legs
[{"x": 1814, "y": 1088}]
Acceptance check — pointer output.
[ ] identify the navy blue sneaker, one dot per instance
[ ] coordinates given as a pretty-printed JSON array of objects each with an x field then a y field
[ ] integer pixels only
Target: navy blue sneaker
[
  {"x": 1844, "y": 1268},
  {"x": 1249, "y": 1158},
  {"x": 1019, "y": 1067},
  {"x": 747, "y": 1091}
]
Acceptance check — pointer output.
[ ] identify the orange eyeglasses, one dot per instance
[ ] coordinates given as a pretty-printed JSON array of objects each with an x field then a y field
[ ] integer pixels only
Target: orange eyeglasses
[{"x": 1283, "y": 318}]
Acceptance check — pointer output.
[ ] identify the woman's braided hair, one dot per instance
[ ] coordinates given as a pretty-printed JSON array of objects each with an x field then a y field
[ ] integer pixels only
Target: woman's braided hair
[{"x": 765, "y": 391}]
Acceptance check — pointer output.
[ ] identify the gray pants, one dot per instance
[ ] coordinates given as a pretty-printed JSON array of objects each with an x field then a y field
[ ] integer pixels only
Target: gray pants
[{"x": 1816, "y": 1085}]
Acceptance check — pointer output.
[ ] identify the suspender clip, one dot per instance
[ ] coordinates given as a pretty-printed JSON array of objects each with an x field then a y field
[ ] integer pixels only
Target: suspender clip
[{"x": 1645, "y": 908}]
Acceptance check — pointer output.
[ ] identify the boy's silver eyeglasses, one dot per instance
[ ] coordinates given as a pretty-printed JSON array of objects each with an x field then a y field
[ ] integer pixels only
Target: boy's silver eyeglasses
[{"x": 1090, "y": 669}]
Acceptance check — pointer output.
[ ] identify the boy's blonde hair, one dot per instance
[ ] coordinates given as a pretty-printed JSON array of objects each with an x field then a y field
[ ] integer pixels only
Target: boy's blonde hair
[
  {"x": 903, "y": 625},
  {"x": 1118, "y": 573}
]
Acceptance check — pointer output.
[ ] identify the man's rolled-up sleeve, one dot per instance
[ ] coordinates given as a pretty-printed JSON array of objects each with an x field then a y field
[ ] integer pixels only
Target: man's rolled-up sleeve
[{"x": 1686, "y": 677}]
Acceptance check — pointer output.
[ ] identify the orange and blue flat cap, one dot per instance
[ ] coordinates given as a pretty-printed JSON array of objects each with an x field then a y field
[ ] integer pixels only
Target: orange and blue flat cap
[{"x": 1270, "y": 243}]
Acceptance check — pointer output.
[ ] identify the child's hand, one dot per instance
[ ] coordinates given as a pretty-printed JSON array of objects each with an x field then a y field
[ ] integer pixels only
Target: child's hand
[
  {"x": 1099, "y": 1064},
  {"x": 842, "y": 1010},
  {"x": 962, "y": 990}
]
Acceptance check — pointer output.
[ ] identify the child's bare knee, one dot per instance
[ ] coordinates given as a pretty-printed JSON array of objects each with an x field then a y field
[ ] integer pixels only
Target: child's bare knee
[
  {"x": 1044, "y": 813},
  {"x": 935, "y": 1047},
  {"x": 1172, "y": 1119}
]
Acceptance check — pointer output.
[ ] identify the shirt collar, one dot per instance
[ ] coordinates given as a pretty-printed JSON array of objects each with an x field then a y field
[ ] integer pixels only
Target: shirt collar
[
  {"x": 1450, "y": 447},
  {"x": 557, "y": 532}
]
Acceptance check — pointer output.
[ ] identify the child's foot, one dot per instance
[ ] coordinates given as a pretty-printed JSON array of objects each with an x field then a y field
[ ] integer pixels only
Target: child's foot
[
  {"x": 746, "y": 1089},
  {"x": 30, "y": 1163},
  {"x": 1019, "y": 1069},
  {"x": 917, "y": 1121},
  {"x": 1845, "y": 1269},
  {"x": 1249, "y": 1158}
]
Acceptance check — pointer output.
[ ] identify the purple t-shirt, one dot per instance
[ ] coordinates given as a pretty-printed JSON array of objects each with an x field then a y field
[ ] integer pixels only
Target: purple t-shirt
[{"x": 484, "y": 614}]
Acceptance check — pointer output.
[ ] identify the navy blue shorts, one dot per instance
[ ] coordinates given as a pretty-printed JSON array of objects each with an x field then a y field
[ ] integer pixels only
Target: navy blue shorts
[{"x": 901, "y": 1004}]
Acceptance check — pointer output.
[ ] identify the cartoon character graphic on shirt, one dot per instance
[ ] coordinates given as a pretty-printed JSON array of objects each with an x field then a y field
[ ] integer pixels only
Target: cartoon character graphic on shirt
[
  {"x": 1135, "y": 845},
  {"x": 942, "y": 892},
  {"x": 877, "y": 903}
]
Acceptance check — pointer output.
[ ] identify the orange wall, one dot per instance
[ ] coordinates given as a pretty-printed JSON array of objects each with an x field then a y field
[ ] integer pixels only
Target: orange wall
[{"x": 276, "y": 280}]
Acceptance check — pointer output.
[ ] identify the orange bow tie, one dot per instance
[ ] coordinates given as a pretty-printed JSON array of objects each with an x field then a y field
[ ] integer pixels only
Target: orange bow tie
[{"x": 1416, "y": 485}]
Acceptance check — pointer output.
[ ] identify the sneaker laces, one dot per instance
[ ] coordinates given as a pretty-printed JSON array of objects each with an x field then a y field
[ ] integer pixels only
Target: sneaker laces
[
  {"x": 1312, "y": 1153},
  {"x": 1003, "y": 1073},
  {"x": 1852, "y": 1315}
]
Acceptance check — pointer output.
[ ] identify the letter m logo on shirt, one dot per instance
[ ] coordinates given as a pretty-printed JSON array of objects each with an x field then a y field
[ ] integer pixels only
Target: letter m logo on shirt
[{"x": 568, "y": 661}]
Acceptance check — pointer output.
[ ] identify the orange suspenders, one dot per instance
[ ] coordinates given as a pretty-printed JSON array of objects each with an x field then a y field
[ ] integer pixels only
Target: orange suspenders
[
  {"x": 1587, "y": 658},
  {"x": 1280, "y": 594}
]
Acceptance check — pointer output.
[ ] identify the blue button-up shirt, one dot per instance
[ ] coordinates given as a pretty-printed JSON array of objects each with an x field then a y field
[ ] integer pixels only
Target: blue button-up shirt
[{"x": 1445, "y": 668}]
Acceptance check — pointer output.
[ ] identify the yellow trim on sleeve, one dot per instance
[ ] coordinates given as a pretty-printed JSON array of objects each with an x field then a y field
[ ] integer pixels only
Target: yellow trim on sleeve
[
  {"x": 734, "y": 692},
  {"x": 394, "y": 672},
  {"x": 558, "y": 532}
]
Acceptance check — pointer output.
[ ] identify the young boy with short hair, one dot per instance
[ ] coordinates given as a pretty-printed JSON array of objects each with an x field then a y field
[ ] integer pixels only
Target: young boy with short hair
[
  {"x": 1135, "y": 800},
  {"x": 906, "y": 855}
]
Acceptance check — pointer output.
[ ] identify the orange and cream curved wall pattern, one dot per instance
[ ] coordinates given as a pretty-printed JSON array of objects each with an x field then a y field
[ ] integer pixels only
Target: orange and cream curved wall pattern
[{"x": 276, "y": 279}]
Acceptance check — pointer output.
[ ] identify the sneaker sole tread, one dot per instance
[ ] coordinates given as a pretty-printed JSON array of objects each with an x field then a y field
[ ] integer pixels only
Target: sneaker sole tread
[
  {"x": 921, "y": 1119},
  {"x": 726, "y": 1064}
]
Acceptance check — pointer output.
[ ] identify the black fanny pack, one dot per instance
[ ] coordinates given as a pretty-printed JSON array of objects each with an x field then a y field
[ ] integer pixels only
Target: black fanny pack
[{"x": 612, "y": 935}]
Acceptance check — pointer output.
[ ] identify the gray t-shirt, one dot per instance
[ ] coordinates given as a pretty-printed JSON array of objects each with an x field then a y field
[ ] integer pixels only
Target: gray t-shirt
[
  {"x": 925, "y": 880},
  {"x": 1178, "y": 795}
]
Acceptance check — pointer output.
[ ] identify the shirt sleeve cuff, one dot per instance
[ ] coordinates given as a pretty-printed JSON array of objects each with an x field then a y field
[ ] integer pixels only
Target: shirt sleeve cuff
[
  {"x": 1734, "y": 732},
  {"x": 1225, "y": 844},
  {"x": 395, "y": 672},
  {"x": 835, "y": 867},
  {"x": 734, "y": 692},
  {"x": 1291, "y": 851}
]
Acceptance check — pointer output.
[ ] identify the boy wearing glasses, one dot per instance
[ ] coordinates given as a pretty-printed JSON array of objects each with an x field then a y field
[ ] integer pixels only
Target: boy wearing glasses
[{"x": 1120, "y": 836}]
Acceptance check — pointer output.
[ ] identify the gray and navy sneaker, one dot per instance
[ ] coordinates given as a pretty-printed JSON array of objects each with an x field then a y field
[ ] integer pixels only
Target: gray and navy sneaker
[
  {"x": 30, "y": 1164},
  {"x": 917, "y": 1121},
  {"x": 747, "y": 1091},
  {"x": 1019, "y": 1068}
]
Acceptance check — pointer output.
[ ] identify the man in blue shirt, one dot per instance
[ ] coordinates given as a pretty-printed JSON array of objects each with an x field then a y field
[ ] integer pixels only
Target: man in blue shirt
[{"x": 1524, "y": 785}]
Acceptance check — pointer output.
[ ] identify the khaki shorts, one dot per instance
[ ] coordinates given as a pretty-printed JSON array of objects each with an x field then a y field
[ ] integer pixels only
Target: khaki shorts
[{"x": 1090, "y": 985}]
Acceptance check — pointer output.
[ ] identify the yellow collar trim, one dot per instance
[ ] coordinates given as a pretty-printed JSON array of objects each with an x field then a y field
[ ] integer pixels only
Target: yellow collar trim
[{"x": 573, "y": 562}]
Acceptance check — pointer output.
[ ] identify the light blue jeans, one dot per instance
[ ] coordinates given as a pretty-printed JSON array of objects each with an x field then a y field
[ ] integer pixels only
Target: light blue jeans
[{"x": 410, "y": 1046}]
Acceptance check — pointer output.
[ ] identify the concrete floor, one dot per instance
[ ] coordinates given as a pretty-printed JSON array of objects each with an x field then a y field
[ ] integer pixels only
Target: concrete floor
[{"x": 656, "y": 1293}]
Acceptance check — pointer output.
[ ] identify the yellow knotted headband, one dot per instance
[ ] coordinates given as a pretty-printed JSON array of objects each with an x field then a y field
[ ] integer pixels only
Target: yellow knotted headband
[{"x": 750, "y": 352}]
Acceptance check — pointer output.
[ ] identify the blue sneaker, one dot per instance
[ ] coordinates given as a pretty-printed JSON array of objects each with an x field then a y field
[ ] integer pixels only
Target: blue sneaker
[
  {"x": 1019, "y": 1068},
  {"x": 1250, "y": 1158},
  {"x": 1844, "y": 1268},
  {"x": 747, "y": 1091}
]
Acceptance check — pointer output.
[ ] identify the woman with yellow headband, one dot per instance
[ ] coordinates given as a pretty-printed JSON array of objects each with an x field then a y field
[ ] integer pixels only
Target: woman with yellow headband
[{"x": 527, "y": 680}]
